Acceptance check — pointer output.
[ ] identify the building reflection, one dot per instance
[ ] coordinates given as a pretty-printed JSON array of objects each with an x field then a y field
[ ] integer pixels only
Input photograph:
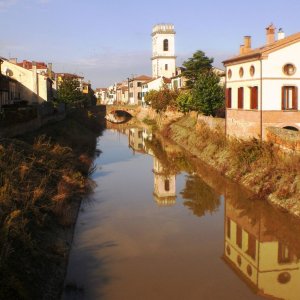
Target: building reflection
[
  {"x": 262, "y": 252},
  {"x": 137, "y": 139},
  {"x": 164, "y": 184}
]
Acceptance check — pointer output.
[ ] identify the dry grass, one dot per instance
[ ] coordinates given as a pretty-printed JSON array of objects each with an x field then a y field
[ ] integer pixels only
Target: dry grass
[
  {"x": 259, "y": 166},
  {"x": 42, "y": 177}
]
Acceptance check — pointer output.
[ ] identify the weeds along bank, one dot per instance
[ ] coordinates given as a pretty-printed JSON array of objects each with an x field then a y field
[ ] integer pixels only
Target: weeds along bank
[
  {"x": 261, "y": 167},
  {"x": 43, "y": 177}
]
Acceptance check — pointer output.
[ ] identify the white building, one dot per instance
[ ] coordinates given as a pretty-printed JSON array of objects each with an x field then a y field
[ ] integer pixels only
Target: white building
[
  {"x": 154, "y": 84},
  {"x": 262, "y": 86},
  {"x": 163, "y": 51}
]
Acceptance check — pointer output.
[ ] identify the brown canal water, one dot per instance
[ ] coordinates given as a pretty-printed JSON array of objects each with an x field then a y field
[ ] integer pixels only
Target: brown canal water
[{"x": 160, "y": 225}]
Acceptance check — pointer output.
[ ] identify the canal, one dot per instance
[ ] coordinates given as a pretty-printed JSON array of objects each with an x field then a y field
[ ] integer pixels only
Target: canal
[{"x": 160, "y": 225}]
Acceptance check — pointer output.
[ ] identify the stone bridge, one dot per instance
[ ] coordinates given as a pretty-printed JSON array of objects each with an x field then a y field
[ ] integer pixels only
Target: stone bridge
[{"x": 131, "y": 109}]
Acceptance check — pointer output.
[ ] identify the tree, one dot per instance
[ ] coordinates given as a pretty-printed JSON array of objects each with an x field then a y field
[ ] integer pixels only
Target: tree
[
  {"x": 69, "y": 91},
  {"x": 199, "y": 197},
  {"x": 195, "y": 66},
  {"x": 208, "y": 94},
  {"x": 160, "y": 100},
  {"x": 184, "y": 101}
]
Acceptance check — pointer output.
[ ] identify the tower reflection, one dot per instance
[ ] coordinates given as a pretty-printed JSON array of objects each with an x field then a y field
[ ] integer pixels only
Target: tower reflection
[{"x": 164, "y": 184}]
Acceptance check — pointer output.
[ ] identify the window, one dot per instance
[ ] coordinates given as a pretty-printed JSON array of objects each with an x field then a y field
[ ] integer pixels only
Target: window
[
  {"x": 167, "y": 185},
  {"x": 228, "y": 98},
  {"x": 252, "y": 71},
  {"x": 284, "y": 255},
  {"x": 130, "y": 95},
  {"x": 229, "y": 74},
  {"x": 241, "y": 97},
  {"x": 254, "y": 97},
  {"x": 166, "y": 45},
  {"x": 166, "y": 67},
  {"x": 239, "y": 236},
  {"x": 289, "y": 69},
  {"x": 289, "y": 97},
  {"x": 139, "y": 95},
  {"x": 251, "y": 251},
  {"x": 241, "y": 72},
  {"x": 131, "y": 85},
  {"x": 228, "y": 228},
  {"x": 139, "y": 84}
]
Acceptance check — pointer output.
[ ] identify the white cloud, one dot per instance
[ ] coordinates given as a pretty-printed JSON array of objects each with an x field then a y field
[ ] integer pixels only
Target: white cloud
[{"x": 5, "y": 4}]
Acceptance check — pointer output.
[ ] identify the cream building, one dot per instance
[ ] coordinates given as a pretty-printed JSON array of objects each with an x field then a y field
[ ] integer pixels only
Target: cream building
[
  {"x": 262, "y": 86},
  {"x": 163, "y": 51},
  {"x": 34, "y": 87},
  {"x": 135, "y": 89}
]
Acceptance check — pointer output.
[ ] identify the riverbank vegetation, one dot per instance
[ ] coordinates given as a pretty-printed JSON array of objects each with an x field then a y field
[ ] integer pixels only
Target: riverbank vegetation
[
  {"x": 43, "y": 177},
  {"x": 260, "y": 166}
]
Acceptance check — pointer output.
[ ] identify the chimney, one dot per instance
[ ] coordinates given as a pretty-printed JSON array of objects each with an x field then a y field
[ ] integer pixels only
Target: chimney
[
  {"x": 281, "y": 34},
  {"x": 270, "y": 34},
  {"x": 34, "y": 78},
  {"x": 13, "y": 60},
  {"x": 247, "y": 43},
  {"x": 242, "y": 49},
  {"x": 49, "y": 70}
]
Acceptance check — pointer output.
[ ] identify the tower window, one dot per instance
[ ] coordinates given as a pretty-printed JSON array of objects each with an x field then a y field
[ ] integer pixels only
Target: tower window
[
  {"x": 166, "y": 67},
  {"x": 166, "y": 45},
  {"x": 167, "y": 185}
]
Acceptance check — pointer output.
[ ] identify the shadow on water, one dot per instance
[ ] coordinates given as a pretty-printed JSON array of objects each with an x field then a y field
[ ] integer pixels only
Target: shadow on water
[{"x": 75, "y": 287}]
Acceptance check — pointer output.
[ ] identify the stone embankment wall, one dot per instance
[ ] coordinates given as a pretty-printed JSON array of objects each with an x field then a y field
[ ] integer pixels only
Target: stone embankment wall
[
  {"x": 22, "y": 128},
  {"x": 287, "y": 140},
  {"x": 212, "y": 123}
]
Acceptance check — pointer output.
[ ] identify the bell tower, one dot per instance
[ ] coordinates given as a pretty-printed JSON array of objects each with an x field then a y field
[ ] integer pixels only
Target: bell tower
[{"x": 163, "y": 51}]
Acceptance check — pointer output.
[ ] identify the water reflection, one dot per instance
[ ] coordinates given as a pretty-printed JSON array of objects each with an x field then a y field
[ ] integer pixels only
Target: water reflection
[
  {"x": 262, "y": 248},
  {"x": 163, "y": 253},
  {"x": 164, "y": 184},
  {"x": 199, "y": 196}
]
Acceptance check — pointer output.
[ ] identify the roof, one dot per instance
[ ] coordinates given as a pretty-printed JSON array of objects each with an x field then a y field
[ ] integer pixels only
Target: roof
[
  {"x": 69, "y": 75},
  {"x": 262, "y": 52},
  {"x": 100, "y": 89},
  {"x": 142, "y": 77},
  {"x": 165, "y": 80},
  {"x": 28, "y": 65}
]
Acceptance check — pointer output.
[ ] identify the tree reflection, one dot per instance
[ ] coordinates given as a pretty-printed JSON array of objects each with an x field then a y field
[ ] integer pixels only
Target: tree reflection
[{"x": 200, "y": 197}]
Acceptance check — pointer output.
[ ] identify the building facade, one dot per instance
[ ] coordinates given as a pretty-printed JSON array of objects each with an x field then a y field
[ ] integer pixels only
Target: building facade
[
  {"x": 163, "y": 51},
  {"x": 27, "y": 84},
  {"x": 262, "y": 86}
]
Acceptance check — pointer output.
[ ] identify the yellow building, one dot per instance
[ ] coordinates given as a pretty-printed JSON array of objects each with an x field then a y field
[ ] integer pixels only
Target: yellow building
[{"x": 264, "y": 262}]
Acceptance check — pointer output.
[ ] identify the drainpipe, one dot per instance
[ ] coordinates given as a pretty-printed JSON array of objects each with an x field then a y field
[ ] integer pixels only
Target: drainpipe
[
  {"x": 225, "y": 101},
  {"x": 261, "y": 112}
]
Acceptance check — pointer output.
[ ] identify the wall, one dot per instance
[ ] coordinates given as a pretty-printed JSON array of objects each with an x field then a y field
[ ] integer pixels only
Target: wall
[{"x": 212, "y": 123}]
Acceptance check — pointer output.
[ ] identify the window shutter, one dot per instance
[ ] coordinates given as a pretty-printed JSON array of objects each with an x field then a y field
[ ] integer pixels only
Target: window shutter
[
  {"x": 228, "y": 98},
  {"x": 240, "y": 97},
  {"x": 254, "y": 97},
  {"x": 295, "y": 98},
  {"x": 282, "y": 98}
]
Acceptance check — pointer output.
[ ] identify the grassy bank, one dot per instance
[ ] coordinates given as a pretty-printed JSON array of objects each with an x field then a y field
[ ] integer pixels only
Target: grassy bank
[
  {"x": 43, "y": 177},
  {"x": 261, "y": 167}
]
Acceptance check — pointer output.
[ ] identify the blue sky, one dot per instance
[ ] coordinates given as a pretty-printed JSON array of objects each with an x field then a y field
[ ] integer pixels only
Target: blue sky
[{"x": 107, "y": 41}]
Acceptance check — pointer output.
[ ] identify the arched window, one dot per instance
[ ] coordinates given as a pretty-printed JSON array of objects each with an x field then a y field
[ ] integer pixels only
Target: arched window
[{"x": 166, "y": 45}]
